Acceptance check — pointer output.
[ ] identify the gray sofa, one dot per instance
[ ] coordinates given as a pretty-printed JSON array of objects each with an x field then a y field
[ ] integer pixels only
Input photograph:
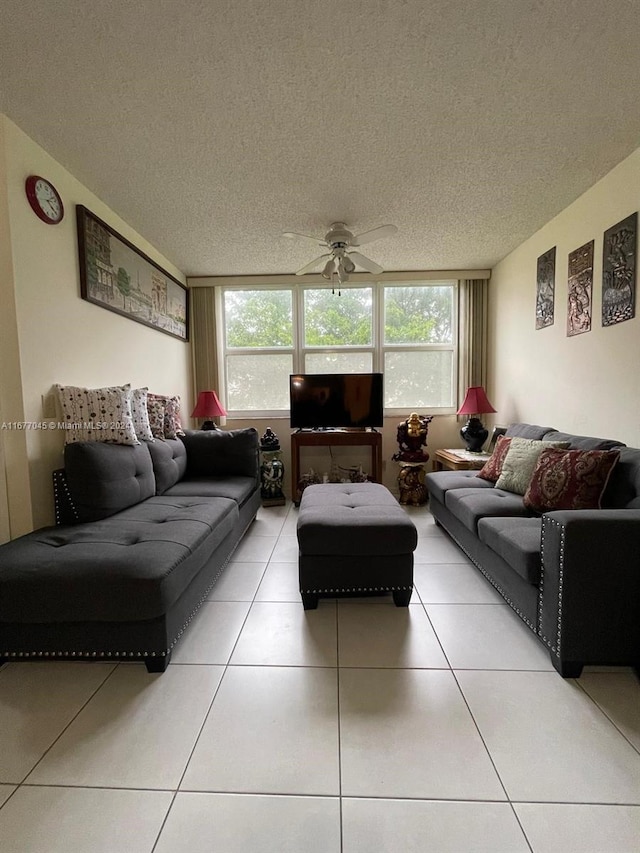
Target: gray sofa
[
  {"x": 573, "y": 576},
  {"x": 141, "y": 535}
]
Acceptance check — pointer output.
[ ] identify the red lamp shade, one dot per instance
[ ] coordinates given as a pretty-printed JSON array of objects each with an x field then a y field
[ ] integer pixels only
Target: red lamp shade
[
  {"x": 475, "y": 402},
  {"x": 208, "y": 406}
]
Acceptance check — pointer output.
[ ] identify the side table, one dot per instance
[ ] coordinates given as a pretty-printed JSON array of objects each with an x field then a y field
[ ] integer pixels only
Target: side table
[{"x": 454, "y": 459}]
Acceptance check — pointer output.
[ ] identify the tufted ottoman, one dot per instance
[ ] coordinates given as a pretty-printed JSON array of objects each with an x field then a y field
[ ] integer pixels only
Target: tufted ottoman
[{"x": 354, "y": 538}]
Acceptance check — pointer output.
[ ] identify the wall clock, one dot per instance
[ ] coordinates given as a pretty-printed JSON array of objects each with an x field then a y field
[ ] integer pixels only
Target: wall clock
[{"x": 45, "y": 199}]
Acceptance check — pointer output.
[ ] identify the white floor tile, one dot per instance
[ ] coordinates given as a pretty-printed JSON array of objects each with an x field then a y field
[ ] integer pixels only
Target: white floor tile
[
  {"x": 291, "y": 523},
  {"x": 434, "y": 549},
  {"x": 212, "y": 634},
  {"x": 618, "y": 695},
  {"x": 549, "y": 741},
  {"x": 486, "y": 636},
  {"x": 238, "y": 582},
  {"x": 136, "y": 732},
  {"x": 580, "y": 828},
  {"x": 83, "y": 820},
  {"x": 270, "y": 730},
  {"x": 285, "y": 634},
  {"x": 5, "y": 792},
  {"x": 286, "y": 550},
  {"x": 408, "y": 733},
  {"x": 381, "y": 636},
  {"x": 280, "y": 583},
  {"x": 245, "y": 823},
  {"x": 254, "y": 549},
  {"x": 37, "y": 700},
  {"x": 268, "y": 523},
  {"x": 453, "y": 583},
  {"x": 416, "y": 826}
]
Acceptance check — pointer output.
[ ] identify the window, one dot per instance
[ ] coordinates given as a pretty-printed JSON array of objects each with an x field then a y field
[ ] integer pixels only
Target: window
[{"x": 407, "y": 330}]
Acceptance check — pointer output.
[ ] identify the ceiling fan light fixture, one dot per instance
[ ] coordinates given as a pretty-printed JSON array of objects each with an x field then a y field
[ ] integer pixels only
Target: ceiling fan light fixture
[
  {"x": 329, "y": 269},
  {"x": 348, "y": 265}
]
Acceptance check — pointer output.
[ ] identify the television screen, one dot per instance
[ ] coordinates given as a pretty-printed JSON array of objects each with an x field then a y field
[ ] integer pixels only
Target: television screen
[{"x": 336, "y": 400}]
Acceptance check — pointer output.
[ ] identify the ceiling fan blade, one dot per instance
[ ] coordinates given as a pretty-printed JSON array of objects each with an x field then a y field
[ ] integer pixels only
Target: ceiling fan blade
[
  {"x": 292, "y": 234},
  {"x": 375, "y": 234},
  {"x": 366, "y": 263},
  {"x": 312, "y": 264}
]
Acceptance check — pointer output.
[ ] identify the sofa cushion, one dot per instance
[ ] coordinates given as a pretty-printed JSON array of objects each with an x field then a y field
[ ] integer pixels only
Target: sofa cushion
[
  {"x": 440, "y": 482},
  {"x": 97, "y": 414},
  {"x": 569, "y": 479},
  {"x": 583, "y": 442},
  {"x": 528, "y": 431},
  {"x": 470, "y": 505},
  {"x": 518, "y": 464},
  {"x": 106, "y": 478},
  {"x": 216, "y": 452},
  {"x": 140, "y": 414},
  {"x": 517, "y": 541},
  {"x": 623, "y": 488},
  {"x": 238, "y": 489},
  {"x": 128, "y": 568},
  {"x": 169, "y": 459},
  {"x": 172, "y": 424},
  {"x": 492, "y": 468}
]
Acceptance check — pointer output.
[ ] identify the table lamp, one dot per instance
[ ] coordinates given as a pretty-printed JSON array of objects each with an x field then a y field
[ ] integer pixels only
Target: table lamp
[
  {"x": 473, "y": 432},
  {"x": 208, "y": 406}
]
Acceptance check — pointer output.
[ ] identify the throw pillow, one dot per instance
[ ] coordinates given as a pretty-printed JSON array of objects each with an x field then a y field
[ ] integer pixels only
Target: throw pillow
[
  {"x": 172, "y": 425},
  {"x": 569, "y": 479},
  {"x": 520, "y": 461},
  {"x": 155, "y": 410},
  {"x": 140, "y": 414},
  {"x": 97, "y": 414},
  {"x": 492, "y": 468}
]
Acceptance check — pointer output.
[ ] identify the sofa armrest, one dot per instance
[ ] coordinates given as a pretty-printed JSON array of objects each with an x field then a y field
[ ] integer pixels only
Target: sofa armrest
[
  {"x": 222, "y": 453},
  {"x": 589, "y": 599}
]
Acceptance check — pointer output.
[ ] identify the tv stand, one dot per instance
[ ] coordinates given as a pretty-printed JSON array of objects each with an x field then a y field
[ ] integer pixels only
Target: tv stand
[{"x": 327, "y": 438}]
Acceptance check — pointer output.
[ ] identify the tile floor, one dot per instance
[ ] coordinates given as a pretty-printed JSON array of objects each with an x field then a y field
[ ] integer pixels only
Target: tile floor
[{"x": 354, "y": 728}]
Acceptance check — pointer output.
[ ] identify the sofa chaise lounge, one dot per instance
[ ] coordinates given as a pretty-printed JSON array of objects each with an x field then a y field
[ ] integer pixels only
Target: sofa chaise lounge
[
  {"x": 142, "y": 534},
  {"x": 573, "y": 576}
]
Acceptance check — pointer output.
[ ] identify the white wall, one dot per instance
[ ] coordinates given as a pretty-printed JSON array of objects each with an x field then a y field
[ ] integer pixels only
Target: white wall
[
  {"x": 61, "y": 337},
  {"x": 589, "y": 383}
]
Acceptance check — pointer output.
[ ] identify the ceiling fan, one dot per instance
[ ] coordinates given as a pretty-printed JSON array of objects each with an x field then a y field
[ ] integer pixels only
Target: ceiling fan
[{"x": 340, "y": 260}]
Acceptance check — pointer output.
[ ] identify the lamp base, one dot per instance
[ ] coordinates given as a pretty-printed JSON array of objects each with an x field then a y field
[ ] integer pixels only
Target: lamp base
[
  {"x": 474, "y": 435},
  {"x": 209, "y": 425}
]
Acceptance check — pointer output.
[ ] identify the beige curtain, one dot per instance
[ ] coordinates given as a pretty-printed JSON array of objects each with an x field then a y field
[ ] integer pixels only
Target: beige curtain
[
  {"x": 203, "y": 340},
  {"x": 473, "y": 320}
]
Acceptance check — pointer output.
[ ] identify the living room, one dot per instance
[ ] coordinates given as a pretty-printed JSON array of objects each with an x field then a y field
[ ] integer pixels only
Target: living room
[{"x": 584, "y": 384}]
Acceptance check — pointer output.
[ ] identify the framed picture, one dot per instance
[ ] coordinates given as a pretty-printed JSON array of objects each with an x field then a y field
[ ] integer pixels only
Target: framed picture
[
  {"x": 580, "y": 290},
  {"x": 545, "y": 289},
  {"x": 619, "y": 271},
  {"x": 495, "y": 435},
  {"x": 121, "y": 278}
]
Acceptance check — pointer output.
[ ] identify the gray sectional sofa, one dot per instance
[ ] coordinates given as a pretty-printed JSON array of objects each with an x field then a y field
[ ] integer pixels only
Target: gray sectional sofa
[
  {"x": 573, "y": 576},
  {"x": 142, "y": 534}
]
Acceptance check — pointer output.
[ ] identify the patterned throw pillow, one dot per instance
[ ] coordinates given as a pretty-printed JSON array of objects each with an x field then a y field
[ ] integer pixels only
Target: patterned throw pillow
[
  {"x": 570, "y": 479},
  {"x": 172, "y": 425},
  {"x": 155, "y": 410},
  {"x": 492, "y": 468},
  {"x": 97, "y": 414},
  {"x": 520, "y": 461},
  {"x": 140, "y": 414}
]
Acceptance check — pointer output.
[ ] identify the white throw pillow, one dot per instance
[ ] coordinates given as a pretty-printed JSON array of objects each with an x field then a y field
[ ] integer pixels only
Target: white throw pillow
[
  {"x": 140, "y": 414},
  {"x": 97, "y": 414},
  {"x": 520, "y": 462}
]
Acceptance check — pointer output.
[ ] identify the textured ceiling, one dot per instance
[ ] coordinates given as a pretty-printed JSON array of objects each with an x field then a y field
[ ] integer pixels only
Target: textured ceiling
[{"x": 211, "y": 126}]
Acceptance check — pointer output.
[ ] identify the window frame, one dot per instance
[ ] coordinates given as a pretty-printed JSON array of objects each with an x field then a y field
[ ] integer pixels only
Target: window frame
[{"x": 298, "y": 351}]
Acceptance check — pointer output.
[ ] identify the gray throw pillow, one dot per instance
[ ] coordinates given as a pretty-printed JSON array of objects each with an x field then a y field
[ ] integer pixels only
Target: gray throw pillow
[{"x": 520, "y": 461}]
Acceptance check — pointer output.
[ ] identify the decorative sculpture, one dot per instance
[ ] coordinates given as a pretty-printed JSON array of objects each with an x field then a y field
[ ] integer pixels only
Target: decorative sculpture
[
  {"x": 271, "y": 470},
  {"x": 412, "y": 437},
  {"x": 411, "y": 482}
]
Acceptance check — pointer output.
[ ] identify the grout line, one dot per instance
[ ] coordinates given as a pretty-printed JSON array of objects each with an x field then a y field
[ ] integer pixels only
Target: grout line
[{"x": 602, "y": 710}]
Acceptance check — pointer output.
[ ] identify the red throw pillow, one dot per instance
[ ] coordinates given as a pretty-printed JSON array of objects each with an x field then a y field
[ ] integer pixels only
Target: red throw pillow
[
  {"x": 492, "y": 468},
  {"x": 569, "y": 479}
]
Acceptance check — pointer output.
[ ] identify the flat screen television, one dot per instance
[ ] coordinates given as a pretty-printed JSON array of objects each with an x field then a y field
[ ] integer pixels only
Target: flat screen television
[{"x": 336, "y": 400}]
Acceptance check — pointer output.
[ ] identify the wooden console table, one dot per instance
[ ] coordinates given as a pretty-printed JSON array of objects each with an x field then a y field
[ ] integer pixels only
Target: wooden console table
[
  {"x": 338, "y": 438},
  {"x": 458, "y": 460}
]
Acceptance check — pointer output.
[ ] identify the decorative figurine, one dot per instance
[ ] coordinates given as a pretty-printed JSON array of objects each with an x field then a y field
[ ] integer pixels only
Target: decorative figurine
[
  {"x": 412, "y": 438},
  {"x": 271, "y": 470}
]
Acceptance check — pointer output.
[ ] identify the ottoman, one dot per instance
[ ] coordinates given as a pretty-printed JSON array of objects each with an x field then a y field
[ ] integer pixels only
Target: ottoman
[{"x": 354, "y": 538}]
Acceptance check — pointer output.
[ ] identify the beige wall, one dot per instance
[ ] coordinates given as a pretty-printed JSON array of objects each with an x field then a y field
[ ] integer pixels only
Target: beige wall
[
  {"x": 61, "y": 337},
  {"x": 589, "y": 383}
]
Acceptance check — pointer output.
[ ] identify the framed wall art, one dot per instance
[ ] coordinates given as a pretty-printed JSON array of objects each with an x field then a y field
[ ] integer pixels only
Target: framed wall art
[
  {"x": 579, "y": 302},
  {"x": 545, "y": 289},
  {"x": 619, "y": 271},
  {"x": 119, "y": 277}
]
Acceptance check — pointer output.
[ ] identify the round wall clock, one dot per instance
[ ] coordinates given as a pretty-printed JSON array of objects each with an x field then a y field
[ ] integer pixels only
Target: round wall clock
[{"x": 45, "y": 199}]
